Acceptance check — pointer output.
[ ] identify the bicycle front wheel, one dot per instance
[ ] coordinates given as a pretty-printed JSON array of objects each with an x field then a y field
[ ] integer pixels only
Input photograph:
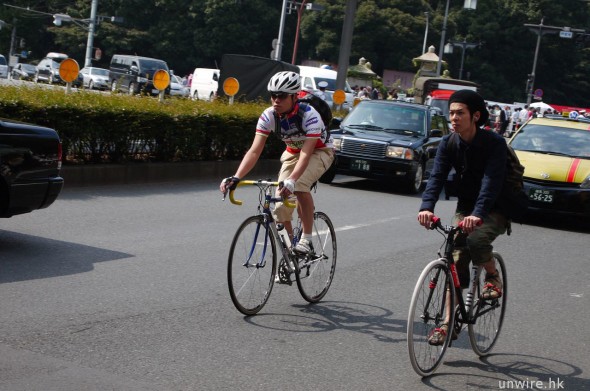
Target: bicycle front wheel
[
  {"x": 251, "y": 265},
  {"x": 316, "y": 271},
  {"x": 488, "y": 315},
  {"x": 431, "y": 307}
]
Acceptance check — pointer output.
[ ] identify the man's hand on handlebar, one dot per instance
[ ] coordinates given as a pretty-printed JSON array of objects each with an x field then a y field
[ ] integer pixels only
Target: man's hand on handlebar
[
  {"x": 286, "y": 187},
  {"x": 470, "y": 223},
  {"x": 229, "y": 183},
  {"x": 425, "y": 218}
]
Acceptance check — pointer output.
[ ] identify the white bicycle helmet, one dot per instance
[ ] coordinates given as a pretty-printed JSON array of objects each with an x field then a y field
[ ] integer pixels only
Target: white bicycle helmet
[{"x": 286, "y": 81}]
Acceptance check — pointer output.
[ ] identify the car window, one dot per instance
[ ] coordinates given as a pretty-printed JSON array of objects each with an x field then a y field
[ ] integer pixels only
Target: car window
[
  {"x": 387, "y": 117},
  {"x": 553, "y": 140},
  {"x": 2, "y": 60},
  {"x": 100, "y": 72}
]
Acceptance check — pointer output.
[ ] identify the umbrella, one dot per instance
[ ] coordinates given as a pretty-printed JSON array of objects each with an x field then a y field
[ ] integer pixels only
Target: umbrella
[{"x": 541, "y": 105}]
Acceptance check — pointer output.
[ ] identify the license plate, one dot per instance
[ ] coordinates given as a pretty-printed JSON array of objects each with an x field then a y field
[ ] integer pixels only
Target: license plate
[
  {"x": 541, "y": 195},
  {"x": 360, "y": 165}
]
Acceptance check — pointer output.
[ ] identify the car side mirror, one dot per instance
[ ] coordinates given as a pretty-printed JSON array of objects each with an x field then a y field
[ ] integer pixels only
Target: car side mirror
[{"x": 215, "y": 77}]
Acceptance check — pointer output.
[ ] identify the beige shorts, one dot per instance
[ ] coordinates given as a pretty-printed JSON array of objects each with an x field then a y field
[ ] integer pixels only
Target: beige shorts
[{"x": 320, "y": 161}]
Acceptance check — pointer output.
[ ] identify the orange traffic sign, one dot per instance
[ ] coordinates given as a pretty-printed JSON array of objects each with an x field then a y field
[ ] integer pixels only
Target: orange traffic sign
[
  {"x": 339, "y": 97},
  {"x": 161, "y": 79},
  {"x": 231, "y": 86},
  {"x": 69, "y": 70}
]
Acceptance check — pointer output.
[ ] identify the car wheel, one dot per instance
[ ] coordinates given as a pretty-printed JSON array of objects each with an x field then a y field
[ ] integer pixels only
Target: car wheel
[
  {"x": 91, "y": 85},
  {"x": 131, "y": 88},
  {"x": 50, "y": 79},
  {"x": 36, "y": 79},
  {"x": 196, "y": 95},
  {"x": 114, "y": 86},
  {"x": 415, "y": 183}
]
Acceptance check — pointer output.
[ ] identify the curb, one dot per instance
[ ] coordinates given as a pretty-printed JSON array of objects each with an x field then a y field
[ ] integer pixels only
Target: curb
[{"x": 124, "y": 174}]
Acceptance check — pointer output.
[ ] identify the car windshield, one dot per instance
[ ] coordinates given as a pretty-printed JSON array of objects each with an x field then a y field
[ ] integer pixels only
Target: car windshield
[
  {"x": 332, "y": 84},
  {"x": 553, "y": 140},
  {"x": 99, "y": 71},
  {"x": 150, "y": 66},
  {"x": 387, "y": 118}
]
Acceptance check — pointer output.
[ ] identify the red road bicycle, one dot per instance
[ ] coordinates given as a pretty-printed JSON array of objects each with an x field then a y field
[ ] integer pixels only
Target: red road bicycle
[{"x": 437, "y": 302}]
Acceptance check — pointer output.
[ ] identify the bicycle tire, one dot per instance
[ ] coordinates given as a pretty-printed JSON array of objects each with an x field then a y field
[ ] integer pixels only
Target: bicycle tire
[
  {"x": 488, "y": 314},
  {"x": 252, "y": 265},
  {"x": 315, "y": 272},
  {"x": 427, "y": 312}
]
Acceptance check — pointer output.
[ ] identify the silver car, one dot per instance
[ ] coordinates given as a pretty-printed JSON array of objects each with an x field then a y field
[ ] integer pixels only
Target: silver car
[
  {"x": 95, "y": 78},
  {"x": 3, "y": 67}
]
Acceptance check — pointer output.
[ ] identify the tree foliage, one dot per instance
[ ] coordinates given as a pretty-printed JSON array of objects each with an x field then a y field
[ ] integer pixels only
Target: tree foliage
[{"x": 388, "y": 33}]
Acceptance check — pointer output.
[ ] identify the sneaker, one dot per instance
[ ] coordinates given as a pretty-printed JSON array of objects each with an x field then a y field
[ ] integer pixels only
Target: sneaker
[
  {"x": 492, "y": 288},
  {"x": 303, "y": 247}
]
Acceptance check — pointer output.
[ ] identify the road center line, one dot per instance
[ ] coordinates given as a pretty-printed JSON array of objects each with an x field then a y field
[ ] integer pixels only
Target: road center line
[{"x": 355, "y": 226}]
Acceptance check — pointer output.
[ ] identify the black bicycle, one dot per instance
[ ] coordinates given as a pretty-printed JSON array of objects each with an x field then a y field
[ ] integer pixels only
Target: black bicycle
[
  {"x": 253, "y": 263},
  {"x": 438, "y": 306}
]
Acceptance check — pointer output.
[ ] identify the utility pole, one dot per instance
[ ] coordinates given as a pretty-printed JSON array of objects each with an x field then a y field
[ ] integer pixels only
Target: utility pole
[{"x": 91, "y": 29}]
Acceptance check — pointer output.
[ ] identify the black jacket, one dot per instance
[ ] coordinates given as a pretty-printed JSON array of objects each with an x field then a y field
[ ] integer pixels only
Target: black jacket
[{"x": 480, "y": 167}]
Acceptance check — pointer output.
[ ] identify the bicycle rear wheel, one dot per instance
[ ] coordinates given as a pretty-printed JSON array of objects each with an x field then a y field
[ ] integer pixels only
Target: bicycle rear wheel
[
  {"x": 432, "y": 306},
  {"x": 251, "y": 265},
  {"x": 488, "y": 314},
  {"x": 316, "y": 271}
]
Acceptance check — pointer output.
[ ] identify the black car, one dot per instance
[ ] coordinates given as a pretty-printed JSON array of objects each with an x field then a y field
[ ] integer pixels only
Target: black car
[
  {"x": 390, "y": 141},
  {"x": 23, "y": 71}
]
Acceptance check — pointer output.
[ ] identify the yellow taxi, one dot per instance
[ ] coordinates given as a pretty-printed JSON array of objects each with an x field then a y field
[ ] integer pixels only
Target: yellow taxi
[{"x": 555, "y": 152}]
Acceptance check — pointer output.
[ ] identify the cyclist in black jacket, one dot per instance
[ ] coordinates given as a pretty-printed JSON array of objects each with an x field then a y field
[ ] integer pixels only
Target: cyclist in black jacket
[{"x": 479, "y": 158}]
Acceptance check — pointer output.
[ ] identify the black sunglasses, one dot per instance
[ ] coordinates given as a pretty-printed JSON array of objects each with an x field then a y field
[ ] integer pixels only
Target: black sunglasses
[{"x": 280, "y": 95}]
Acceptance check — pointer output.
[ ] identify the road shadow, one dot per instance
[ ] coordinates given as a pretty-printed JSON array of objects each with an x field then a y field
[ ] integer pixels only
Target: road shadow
[
  {"x": 374, "y": 321},
  {"x": 557, "y": 222},
  {"x": 26, "y": 257},
  {"x": 510, "y": 371}
]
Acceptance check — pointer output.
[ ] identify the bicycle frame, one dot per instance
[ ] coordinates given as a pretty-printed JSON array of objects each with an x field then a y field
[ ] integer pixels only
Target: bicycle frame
[
  {"x": 464, "y": 305},
  {"x": 269, "y": 222}
]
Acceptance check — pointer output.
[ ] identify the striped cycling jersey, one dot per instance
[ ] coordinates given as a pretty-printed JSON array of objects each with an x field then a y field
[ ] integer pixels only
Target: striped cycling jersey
[{"x": 312, "y": 127}]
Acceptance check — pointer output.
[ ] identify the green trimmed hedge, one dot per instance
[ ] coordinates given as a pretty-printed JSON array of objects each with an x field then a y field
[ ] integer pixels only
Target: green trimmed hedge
[{"x": 117, "y": 128}]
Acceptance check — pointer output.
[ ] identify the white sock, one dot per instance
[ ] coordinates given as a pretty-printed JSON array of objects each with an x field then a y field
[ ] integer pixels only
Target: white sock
[{"x": 307, "y": 237}]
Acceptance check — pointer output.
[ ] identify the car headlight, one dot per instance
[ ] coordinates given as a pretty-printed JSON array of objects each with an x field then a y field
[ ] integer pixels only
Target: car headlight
[
  {"x": 585, "y": 183},
  {"x": 142, "y": 79},
  {"x": 337, "y": 144},
  {"x": 399, "y": 152}
]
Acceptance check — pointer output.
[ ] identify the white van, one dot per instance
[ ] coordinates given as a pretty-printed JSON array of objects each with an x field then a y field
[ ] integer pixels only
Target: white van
[
  {"x": 311, "y": 76},
  {"x": 204, "y": 83}
]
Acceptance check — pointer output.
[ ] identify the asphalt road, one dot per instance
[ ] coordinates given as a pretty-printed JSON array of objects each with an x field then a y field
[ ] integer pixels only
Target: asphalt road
[{"x": 124, "y": 288}]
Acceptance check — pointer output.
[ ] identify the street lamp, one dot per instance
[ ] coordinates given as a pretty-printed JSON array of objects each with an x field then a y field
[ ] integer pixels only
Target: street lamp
[
  {"x": 89, "y": 24},
  {"x": 463, "y": 45},
  {"x": 303, "y": 5},
  {"x": 540, "y": 30},
  {"x": 425, "y": 33},
  {"x": 469, "y": 5}
]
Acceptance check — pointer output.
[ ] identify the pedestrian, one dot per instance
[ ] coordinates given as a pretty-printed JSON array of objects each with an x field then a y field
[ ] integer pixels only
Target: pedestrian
[{"x": 322, "y": 89}]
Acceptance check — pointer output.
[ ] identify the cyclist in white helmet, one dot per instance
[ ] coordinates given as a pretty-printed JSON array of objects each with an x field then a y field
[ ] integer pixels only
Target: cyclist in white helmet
[{"x": 308, "y": 155}]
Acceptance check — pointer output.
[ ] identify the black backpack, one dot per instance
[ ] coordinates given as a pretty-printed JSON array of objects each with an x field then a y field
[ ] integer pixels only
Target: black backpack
[
  {"x": 513, "y": 200},
  {"x": 321, "y": 106}
]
